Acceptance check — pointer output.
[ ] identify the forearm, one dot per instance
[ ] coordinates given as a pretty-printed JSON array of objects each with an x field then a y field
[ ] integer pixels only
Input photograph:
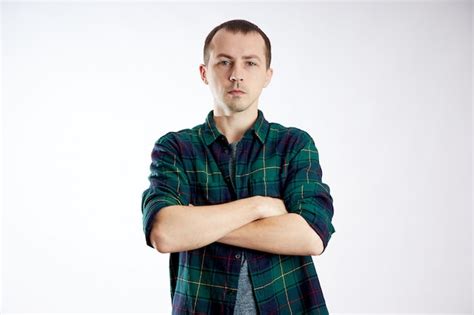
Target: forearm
[
  {"x": 181, "y": 228},
  {"x": 287, "y": 234}
]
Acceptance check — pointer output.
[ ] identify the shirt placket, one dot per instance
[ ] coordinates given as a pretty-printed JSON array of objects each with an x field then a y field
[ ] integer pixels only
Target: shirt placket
[{"x": 232, "y": 171}]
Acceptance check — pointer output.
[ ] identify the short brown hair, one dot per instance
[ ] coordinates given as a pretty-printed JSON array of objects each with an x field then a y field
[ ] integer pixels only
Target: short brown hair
[{"x": 236, "y": 26}]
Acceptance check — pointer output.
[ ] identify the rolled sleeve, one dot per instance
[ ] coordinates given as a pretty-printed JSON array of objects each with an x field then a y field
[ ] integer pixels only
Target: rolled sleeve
[
  {"x": 305, "y": 193},
  {"x": 168, "y": 183}
]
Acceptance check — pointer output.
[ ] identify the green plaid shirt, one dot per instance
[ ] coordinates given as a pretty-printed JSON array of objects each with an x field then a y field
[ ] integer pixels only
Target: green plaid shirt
[{"x": 192, "y": 166}]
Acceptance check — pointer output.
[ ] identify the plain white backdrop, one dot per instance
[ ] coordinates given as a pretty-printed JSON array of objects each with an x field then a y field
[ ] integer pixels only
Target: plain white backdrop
[{"x": 384, "y": 88}]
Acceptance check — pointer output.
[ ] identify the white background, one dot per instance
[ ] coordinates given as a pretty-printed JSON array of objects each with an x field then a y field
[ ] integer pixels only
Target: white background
[{"x": 384, "y": 88}]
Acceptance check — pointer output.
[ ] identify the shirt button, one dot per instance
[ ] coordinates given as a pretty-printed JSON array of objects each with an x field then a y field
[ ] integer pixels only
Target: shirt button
[
  {"x": 226, "y": 151},
  {"x": 237, "y": 256}
]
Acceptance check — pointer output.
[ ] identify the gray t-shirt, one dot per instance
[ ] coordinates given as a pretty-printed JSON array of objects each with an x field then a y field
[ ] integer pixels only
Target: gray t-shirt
[{"x": 245, "y": 303}]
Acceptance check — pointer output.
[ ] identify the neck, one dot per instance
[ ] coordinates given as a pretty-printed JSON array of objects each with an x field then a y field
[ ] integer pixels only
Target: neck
[{"x": 233, "y": 125}]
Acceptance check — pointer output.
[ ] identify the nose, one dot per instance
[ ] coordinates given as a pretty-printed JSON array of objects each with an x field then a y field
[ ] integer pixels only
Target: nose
[
  {"x": 236, "y": 74},
  {"x": 234, "y": 78}
]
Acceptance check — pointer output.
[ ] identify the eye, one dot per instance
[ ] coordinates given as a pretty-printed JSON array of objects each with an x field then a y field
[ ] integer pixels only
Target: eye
[
  {"x": 251, "y": 63},
  {"x": 224, "y": 62}
]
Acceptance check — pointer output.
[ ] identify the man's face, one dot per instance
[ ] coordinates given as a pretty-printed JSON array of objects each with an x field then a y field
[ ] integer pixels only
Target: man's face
[{"x": 236, "y": 62}]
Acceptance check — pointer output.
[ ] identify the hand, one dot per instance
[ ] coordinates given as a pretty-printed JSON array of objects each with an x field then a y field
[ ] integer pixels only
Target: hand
[{"x": 270, "y": 206}]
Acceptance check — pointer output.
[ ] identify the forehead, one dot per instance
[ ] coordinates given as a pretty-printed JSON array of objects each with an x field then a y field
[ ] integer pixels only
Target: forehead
[{"x": 237, "y": 44}]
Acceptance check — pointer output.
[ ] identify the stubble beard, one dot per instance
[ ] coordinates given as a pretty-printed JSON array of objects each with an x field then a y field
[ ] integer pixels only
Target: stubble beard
[
  {"x": 233, "y": 105},
  {"x": 237, "y": 106}
]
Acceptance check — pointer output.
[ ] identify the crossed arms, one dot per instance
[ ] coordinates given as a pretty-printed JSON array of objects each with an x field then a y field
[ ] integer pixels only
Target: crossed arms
[
  {"x": 297, "y": 224},
  {"x": 258, "y": 222}
]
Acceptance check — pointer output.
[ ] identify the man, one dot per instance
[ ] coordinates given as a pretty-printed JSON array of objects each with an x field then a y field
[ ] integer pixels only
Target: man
[{"x": 238, "y": 201}]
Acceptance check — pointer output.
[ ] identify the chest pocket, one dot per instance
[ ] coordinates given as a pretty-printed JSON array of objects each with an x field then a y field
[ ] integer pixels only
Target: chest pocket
[
  {"x": 268, "y": 180},
  {"x": 208, "y": 187}
]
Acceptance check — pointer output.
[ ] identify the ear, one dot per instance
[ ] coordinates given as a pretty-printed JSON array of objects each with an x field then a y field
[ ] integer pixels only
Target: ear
[
  {"x": 268, "y": 77},
  {"x": 203, "y": 72}
]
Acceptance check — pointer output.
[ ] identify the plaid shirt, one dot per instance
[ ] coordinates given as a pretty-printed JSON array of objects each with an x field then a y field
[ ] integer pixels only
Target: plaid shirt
[{"x": 192, "y": 166}]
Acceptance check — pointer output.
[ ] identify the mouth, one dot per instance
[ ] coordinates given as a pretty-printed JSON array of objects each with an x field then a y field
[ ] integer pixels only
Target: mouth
[{"x": 236, "y": 92}]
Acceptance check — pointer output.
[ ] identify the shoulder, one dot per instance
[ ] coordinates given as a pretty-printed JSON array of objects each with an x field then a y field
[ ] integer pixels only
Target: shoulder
[
  {"x": 292, "y": 138},
  {"x": 174, "y": 136},
  {"x": 180, "y": 140}
]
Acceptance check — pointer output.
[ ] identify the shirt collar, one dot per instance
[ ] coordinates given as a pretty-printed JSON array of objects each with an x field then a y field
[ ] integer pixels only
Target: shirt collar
[{"x": 259, "y": 128}]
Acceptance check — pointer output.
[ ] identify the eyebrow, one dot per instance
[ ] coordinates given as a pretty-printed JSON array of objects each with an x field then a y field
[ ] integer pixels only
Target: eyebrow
[{"x": 244, "y": 57}]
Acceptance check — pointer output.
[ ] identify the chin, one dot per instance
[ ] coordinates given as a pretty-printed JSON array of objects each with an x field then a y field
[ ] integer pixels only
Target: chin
[{"x": 238, "y": 108}]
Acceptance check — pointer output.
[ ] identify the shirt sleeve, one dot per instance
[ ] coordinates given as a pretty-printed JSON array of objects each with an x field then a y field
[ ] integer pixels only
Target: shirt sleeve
[
  {"x": 168, "y": 183},
  {"x": 305, "y": 193}
]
